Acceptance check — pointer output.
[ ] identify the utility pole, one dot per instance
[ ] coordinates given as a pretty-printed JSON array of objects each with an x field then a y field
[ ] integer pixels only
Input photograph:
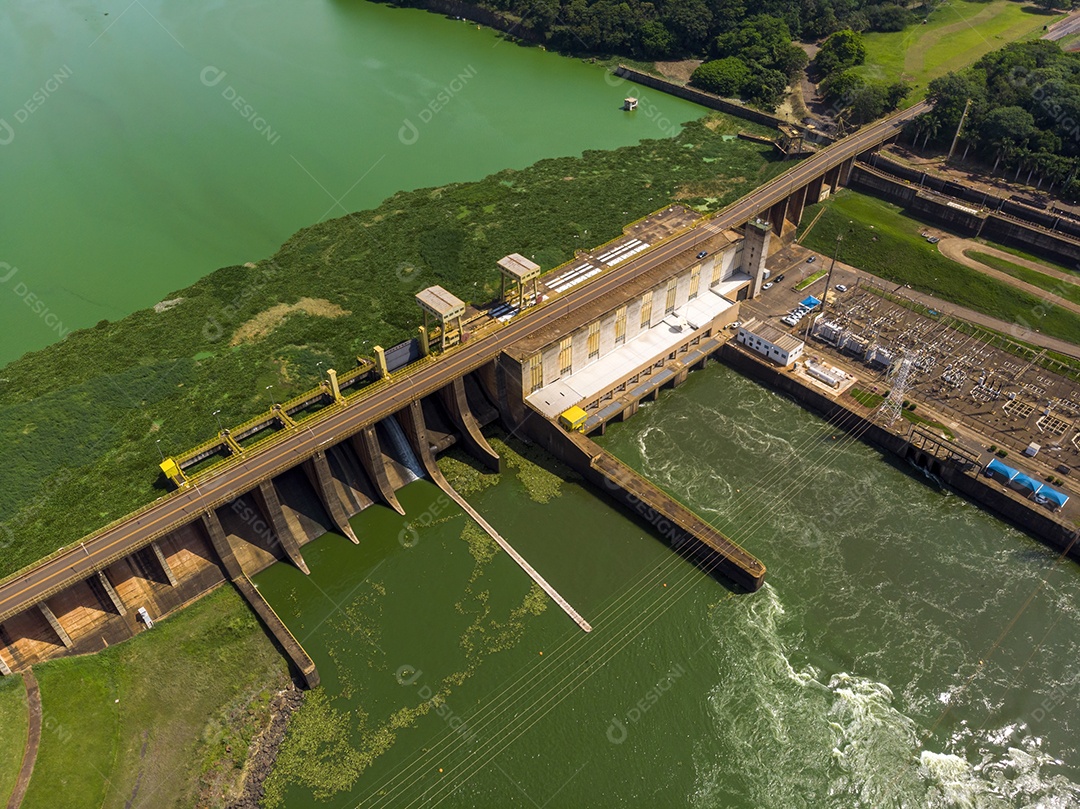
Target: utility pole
[
  {"x": 810, "y": 321},
  {"x": 959, "y": 126}
]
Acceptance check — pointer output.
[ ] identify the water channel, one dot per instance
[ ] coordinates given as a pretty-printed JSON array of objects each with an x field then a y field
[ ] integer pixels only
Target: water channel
[{"x": 908, "y": 649}]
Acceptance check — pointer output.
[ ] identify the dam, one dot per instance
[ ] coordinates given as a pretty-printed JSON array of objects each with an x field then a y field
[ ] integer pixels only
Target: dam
[{"x": 602, "y": 333}]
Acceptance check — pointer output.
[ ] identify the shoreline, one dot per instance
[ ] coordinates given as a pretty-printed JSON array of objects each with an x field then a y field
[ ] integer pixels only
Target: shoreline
[
  {"x": 263, "y": 752},
  {"x": 983, "y": 492}
]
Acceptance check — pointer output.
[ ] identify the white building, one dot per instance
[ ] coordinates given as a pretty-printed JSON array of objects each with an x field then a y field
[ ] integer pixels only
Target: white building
[{"x": 769, "y": 341}]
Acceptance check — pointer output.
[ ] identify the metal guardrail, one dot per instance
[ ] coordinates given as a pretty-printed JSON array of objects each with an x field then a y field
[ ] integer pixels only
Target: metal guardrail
[{"x": 404, "y": 374}]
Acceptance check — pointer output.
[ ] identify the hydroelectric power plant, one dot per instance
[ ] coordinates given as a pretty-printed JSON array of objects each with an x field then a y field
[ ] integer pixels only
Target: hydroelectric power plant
[{"x": 558, "y": 357}]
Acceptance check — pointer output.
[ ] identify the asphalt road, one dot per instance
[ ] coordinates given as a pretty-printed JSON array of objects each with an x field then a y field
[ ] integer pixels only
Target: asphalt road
[{"x": 82, "y": 560}]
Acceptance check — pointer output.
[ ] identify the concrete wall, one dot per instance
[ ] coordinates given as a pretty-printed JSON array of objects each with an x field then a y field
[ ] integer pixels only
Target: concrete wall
[
  {"x": 1025, "y": 514},
  {"x": 550, "y": 353},
  {"x": 903, "y": 189},
  {"x": 699, "y": 97}
]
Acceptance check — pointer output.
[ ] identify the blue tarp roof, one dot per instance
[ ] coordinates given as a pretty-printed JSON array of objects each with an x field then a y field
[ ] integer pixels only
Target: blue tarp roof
[
  {"x": 1023, "y": 480},
  {"x": 1041, "y": 489},
  {"x": 1053, "y": 495},
  {"x": 811, "y": 301}
]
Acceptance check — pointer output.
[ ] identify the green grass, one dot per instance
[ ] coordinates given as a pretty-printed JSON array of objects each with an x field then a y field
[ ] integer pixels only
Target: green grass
[
  {"x": 957, "y": 34},
  {"x": 1031, "y": 257},
  {"x": 92, "y": 408},
  {"x": 156, "y": 713},
  {"x": 886, "y": 242},
  {"x": 1059, "y": 287},
  {"x": 865, "y": 398},
  {"x": 813, "y": 279},
  {"x": 874, "y": 400},
  {"x": 13, "y": 728}
]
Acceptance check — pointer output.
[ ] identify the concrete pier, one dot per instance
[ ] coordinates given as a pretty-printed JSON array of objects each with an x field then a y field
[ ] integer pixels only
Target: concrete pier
[
  {"x": 366, "y": 444},
  {"x": 285, "y": 536},
  {"x": 55, "y": 624},
  {"x": 457, "y": 405},
  {"x": 299, "y": 658},
  {"x": 165, "y": 567},
  {"x": 114, "y": 597},
  {"x": 318, "y": 472},
  {"x": 221, "y": 545}
]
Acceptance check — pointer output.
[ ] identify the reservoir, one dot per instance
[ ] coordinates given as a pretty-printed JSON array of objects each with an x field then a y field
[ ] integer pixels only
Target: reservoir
[
  {"x": 145, "y": 145},
  {"x": 907, "y": 649}
]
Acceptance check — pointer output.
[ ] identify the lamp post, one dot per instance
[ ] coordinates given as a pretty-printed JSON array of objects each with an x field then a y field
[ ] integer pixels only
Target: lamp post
[
  {"x": 219, "y": 428},
  {"x": 273, "y": 404},
  {"x": 157, "y": 443}
]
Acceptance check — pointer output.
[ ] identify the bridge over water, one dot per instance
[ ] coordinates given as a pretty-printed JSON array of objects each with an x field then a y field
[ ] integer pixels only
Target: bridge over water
[{"x": 266, "y": 502}]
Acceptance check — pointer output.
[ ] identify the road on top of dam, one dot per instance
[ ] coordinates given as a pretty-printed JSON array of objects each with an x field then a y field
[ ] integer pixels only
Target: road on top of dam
[{"x": 85, "y": 558}]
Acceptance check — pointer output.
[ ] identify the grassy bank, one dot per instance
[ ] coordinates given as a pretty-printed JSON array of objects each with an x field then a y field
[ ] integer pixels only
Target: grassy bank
[
  {"x": 13, "y": 727},
  {"x": 1063, "y": 289},
  {"x": 151, "y": 722},
  {"x": 886, "y": 242},
  {"x": 93, "y": 408},
  {"x": 956, "y": 34}
]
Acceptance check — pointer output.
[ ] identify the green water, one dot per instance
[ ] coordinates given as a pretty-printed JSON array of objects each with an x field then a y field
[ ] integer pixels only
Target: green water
[
  {"x": 132, "y": 173},
  {"x": 893, "y": 659}
]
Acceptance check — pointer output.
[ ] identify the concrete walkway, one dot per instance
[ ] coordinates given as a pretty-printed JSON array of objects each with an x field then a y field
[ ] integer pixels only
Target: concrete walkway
[{"x": 33, "y": 740}]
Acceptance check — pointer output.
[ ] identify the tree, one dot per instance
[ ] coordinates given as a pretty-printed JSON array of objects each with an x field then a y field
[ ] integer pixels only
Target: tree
[
  {"x": 888, "y": 17},
  {"x": 840, "y": 51},
  {"x": 725, "y": 77},
  {"x": 765, "y": 87},
  {"x": 689, "y": 21},
  {"x": 657, "y": 42}
]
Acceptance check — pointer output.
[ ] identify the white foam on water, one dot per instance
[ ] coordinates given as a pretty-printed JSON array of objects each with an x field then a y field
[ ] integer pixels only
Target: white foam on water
[{"x": 792, "y": 736}]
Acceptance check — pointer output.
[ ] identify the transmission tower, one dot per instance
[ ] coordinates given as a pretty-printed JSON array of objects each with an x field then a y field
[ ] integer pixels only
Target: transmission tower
[{"x": 894, "y": 403}]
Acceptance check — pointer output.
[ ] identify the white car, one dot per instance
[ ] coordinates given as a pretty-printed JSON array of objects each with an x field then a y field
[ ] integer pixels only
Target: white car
[
  {"x": 768, "y": 285},
  {"x": 841, "y": 288},
  {"x": 790, "y": 320}
]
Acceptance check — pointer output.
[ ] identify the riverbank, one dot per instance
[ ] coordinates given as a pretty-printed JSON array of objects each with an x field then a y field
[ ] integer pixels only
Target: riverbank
[
  {"x": 856, "y": 420},
  {"x": 169, "y": 716},
  {"x": 105, "y": 403}
]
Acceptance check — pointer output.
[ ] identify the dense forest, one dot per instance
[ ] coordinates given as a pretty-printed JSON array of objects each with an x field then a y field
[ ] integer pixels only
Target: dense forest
[
  {"x": 748, "y": 44},
  {"x": 1024, "y": 113}
]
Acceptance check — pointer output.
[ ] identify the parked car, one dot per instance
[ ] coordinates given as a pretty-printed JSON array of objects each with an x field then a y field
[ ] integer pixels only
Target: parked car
[
  {"x": 933, "y": 239},
  {"x": 703, "y": 253},
  {"x": 768, "y": 285},
  {"x": 841, "y": 288},
  {"x": 779, "y": 278},
  {"x": 790, "y": 320},
  {"x": 735, "y": 325},
  {"x": 811, "y": 260}
]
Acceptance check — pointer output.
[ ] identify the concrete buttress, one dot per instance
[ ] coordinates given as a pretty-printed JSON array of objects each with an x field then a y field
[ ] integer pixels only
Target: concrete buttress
[
  {"x": 284, "y": 535},
  {"x": 457, "y": 405},
  {"x": 366, "y": 444},
  {"x": 318, "y": 472}
]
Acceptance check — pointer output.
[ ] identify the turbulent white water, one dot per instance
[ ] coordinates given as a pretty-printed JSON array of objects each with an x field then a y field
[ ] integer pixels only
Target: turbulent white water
[{"x": 891, "y": 661}]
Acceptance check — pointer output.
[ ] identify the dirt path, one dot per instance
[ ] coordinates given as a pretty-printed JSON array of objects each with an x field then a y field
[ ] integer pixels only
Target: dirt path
[
  {"x": 954, "y": 249},
  {"x": 33, "y": 739},
  {"x": 949, "y": 244}
]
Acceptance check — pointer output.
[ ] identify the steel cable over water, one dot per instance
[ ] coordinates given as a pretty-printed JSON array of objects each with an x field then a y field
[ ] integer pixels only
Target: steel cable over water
[
  {"x": 627, "y": 598},
  {"x": 809, "y": 473}
]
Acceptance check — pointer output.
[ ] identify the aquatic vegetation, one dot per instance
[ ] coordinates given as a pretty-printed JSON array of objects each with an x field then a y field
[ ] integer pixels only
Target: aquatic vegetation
[
  {"x": 540, "y": 474},
  {"x": 108, "y": 394}
]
